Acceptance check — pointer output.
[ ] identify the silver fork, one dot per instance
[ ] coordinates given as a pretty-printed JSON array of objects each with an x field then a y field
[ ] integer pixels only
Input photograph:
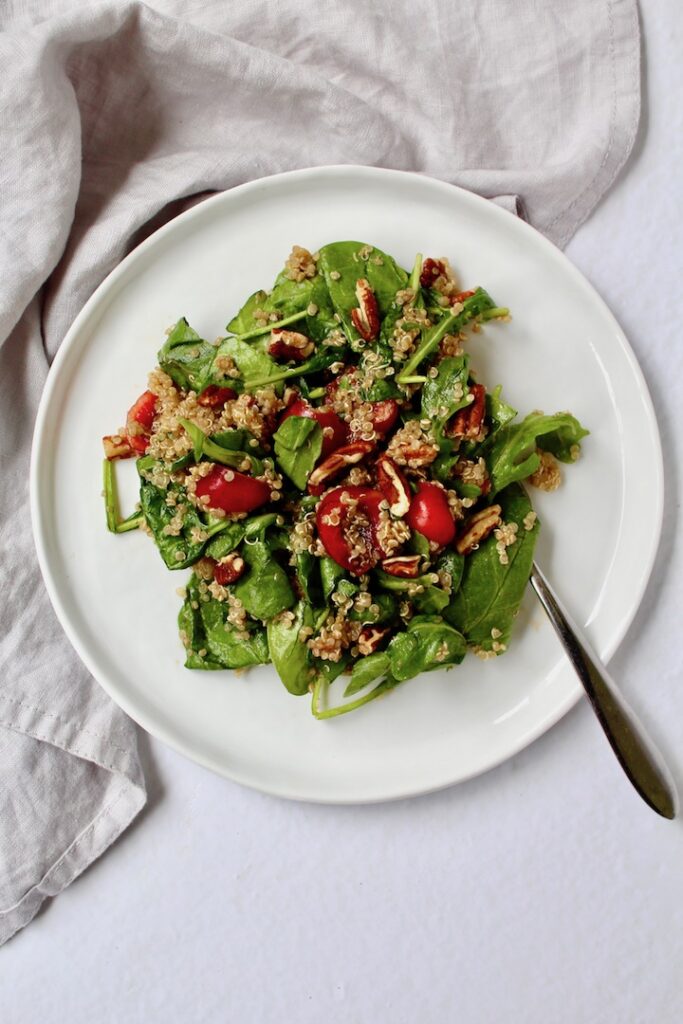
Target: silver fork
[{"x": 635, "y": 751}]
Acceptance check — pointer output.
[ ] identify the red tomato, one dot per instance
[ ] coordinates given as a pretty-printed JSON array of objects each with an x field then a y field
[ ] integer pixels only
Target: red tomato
[
  {"x": 326, "y": 418},
  {"x": 430, "y": 515},
  {"x": 138, "y": 442},
  {"x": 384, "y": 415},
  {"x": 232, "y": 491},
  {"x": 214, "y": 396},
  {"x": 332, "y": 536},
  {"x": 142, "y": 411}
]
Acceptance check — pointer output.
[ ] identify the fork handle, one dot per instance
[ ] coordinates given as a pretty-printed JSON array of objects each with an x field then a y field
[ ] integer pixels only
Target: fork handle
[{"x": 637, "y": 754}]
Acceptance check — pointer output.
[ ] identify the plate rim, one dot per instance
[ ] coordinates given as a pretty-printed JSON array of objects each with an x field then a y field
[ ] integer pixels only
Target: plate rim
[{"x": 38, "y": 447}]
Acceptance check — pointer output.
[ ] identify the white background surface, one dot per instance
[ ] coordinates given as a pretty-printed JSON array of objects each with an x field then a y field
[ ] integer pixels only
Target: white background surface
[{"x": 541, "y": 892}]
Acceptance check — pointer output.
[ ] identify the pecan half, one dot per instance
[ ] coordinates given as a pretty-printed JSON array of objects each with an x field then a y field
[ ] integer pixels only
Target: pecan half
[
  {"x": 366, "y": 317},
  {"x": 286, "y": 344},
  {"x": 370, "y": 638},
  {"x": 336, "y": 463},
  {"x": 393, "y": 486},
  {"x": 467, "y": 422},
  {"x": 229, "y": 569},
  {"x": 116, "y": 446},
  {"x": 405, "y": 567},
  {"x": 477, "y": 528}
]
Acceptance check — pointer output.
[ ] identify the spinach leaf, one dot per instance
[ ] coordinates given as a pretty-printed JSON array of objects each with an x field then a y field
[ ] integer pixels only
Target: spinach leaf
[
  {"x": 431, "y": 600},
  {"x": 291, "y": 658},
  {"x": 490, "y": 593},
  {"x": 192, "y": 632},
  {"x": 204, "y": 446},
  {"x": 177, "y": 550},
  {"x": 379, "y": 269},
  {"x": 290, "y": 301},
  {"x": 308, "y": 577},
  {"x": 244, "y": 321},
  {"x": 251, "y": 362},
  {"x": 498, "y": 412},
  {"x": 425, "y": 645},
  {"x": 367, "y": 670},
  {"x": 264, "y": 590},
  {"x": 473, "y": 307},
  {"x": 384, "y": 608},
  {"x": 445, "y": 394},
  {"x": 512, "y": 453},
  {"x": 319, "y": 361},
  {"x": 186, "y": 358},
  {"x": 226, "y": 541},
  {"x": 330, "y": 574},
  {"x": 419, "y": 544},
  {"x": 298, "y": 444},
  {"x": 454, "y": 564},
  {"x": 228, "y": 645}
]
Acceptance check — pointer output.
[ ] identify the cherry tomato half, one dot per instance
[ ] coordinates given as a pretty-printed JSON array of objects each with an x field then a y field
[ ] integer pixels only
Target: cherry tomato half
[
  {"x": 142, "y": 411},
  {"x": 333, "y": 535},
  {"x": 430, "y": 515},
  {"x": 232, "y": 491}
]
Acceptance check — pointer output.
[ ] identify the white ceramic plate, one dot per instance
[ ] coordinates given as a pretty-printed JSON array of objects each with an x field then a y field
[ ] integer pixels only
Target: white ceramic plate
[{"x": 562, "y": 350}]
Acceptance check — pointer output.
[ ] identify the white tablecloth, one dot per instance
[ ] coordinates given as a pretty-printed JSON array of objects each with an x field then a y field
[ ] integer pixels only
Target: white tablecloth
[{"x": 542, "y": 892}]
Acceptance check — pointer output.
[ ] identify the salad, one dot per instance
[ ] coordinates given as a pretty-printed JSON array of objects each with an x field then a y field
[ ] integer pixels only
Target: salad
[{"x": 346, "y": 491}]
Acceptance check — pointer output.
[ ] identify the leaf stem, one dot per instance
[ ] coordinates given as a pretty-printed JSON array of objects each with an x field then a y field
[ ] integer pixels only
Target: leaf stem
[
  {"x": 258, "y": 331},
  {"x": 321, "y": 684}
]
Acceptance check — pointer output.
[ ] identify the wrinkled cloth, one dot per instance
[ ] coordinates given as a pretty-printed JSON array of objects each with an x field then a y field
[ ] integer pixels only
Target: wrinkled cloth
[{"x": 114, "y": 117}]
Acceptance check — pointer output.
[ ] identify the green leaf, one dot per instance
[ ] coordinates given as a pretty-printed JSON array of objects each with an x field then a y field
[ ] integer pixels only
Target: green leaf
[
  {"x": 228, "y": 645},
  {"x": 445, "y": 394},
  {"x": 226, "y": 541},
  {"x": 290, "y": 656},
  {"x": 343, "y": 259},
  {"x": 192, "y": 632},
  {"x": 512, "y": 454},
  {"x": 425, "y": 645},
  {"x": 490, "y": 593},
  {"x": 330, "y": 574},
  {"x": 473, "y": 307},
  {"x": 205, "y": 447},
  {"x": 251, "y": 361},
  {"x": 186, "y": 358},
  {"x": 178, "y": 551},
  {"x": 308, "y": 577},
  {"x": 323, "y": 358},
  {"x": 298, "y": 444},
  {"x": 244, "y": 321},
  {"x": 498, "y": 412},
  {"x": 264, "y": 590},
  {"x": 367, "y": 670}
]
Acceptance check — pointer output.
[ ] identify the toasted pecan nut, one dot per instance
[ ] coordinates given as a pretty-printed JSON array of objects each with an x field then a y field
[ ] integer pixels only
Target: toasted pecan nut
[
  {"x": 286, "y": 344},
  {"x": 336, "y": 463},
  {"x": 477, "y": 528},
  {"x": 370, "y": 638},
  {"x": 393, "y": 486},
  {"x": 467, "y": 422},
  {"x": 229, "y": 569},
  {"x": 366, "y": 317},
  {"x": 116, "y": 446},
  {"x": 405, "y": 567}
]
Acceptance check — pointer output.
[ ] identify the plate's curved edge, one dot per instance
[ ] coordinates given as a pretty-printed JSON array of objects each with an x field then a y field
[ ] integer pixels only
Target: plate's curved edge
[{"x": 109, "y": 284}]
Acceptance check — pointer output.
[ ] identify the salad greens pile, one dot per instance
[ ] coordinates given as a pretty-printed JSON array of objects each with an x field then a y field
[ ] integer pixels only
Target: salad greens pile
[{"x": 348, "y": 495}]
